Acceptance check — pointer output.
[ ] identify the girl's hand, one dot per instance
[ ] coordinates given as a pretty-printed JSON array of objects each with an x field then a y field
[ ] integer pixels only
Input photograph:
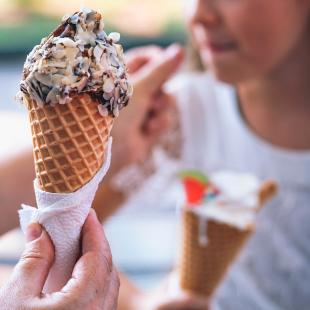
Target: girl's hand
[
  {"x": 94, "y": 283},
  {"x": 163, "y": 299},
  {"x": 141, "y": 123}
]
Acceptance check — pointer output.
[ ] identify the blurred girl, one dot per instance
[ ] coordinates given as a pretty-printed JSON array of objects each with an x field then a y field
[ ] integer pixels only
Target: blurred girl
[{"x": 256, "y": 121}]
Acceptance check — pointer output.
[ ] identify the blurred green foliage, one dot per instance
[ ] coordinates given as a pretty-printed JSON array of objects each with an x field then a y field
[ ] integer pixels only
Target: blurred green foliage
[
  {"x": 21, "y": 38},
  {"x": 23, "y": 3}
]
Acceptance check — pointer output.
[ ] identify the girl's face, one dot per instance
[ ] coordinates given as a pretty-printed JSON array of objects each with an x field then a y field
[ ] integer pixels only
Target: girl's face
[{"x": 245, "y": 39}]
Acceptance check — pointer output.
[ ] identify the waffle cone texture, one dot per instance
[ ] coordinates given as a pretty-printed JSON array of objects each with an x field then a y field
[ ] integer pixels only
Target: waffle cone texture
[
  {"x": 69, "y": 142},
  {"x": 202, "y": 268}
]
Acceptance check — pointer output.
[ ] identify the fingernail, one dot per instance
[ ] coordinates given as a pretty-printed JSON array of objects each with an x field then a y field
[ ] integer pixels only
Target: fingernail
[
  {"x": 33, "y": 232},
  {"x": 173, "y": 50},
  {"x": 93, "y": 213}
]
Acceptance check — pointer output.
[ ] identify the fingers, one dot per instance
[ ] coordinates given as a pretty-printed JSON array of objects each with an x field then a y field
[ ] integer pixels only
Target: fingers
[
  {"x": 161, "y": 68},
  {"x": 91, "y": 275},
  {"x": 154, "y": 65},
  {"x": 138, "y": 57},
  {"x": 158, "y": 124},
  {"x": 159, "y": 118},
  {"x": 32, "y": 269},
  {"x": 112, "y": 292},
  {"x": 93, "y": 237}
]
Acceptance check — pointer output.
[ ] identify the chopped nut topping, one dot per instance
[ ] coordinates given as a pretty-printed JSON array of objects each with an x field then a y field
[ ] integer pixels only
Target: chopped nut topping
[{"x": 78, "y": 57}]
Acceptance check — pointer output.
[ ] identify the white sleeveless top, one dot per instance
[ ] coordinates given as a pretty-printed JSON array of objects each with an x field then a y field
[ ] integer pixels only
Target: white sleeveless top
[{"x": 273, "y": 271}]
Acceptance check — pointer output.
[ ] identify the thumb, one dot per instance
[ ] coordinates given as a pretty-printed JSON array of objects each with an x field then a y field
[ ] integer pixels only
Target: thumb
[
  {"x": 33, "y": 267},
  {"x": 158, "y": 71}
]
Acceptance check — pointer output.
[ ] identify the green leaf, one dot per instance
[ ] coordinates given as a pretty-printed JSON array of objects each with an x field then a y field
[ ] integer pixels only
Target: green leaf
[{"x": 194, "y": 174}]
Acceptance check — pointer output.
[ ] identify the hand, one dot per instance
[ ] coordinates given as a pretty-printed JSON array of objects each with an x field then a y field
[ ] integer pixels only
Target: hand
[
  {"x": 94, "y": 283},
  {"x": 163, "y": 299},
  {"x": 140, "y": 124}
]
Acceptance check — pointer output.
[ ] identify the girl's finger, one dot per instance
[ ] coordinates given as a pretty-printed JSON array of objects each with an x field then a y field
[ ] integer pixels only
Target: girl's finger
[
  {"x": 138, "y": 57},
  {"x": 159, "y": 123}
]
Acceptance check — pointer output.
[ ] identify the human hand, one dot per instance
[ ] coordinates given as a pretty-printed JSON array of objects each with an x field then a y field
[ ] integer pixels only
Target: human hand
[
  {"x": 162, "y": 298},
  {"x": 94, "y": 283},
  {"x": 147, "y": 116}
]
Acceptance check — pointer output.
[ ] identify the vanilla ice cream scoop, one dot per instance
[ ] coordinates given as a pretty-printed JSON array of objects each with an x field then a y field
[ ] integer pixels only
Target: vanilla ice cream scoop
[
  {"x": 78, "y": 57},
  {"x": 217, "y": 220},
  {"x": 238, "y": 198}
]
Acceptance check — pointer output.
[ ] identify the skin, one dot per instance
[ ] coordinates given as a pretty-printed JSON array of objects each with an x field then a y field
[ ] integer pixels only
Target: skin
[
  {"x": 262, "y": 48},
  {"x": 266, "y": 59},
  {"x": 150, "y": 68},
  {"x": 18, "y": 173},
  {"x": 94, "y": 283},
  {"x": 263, "y": 35}
]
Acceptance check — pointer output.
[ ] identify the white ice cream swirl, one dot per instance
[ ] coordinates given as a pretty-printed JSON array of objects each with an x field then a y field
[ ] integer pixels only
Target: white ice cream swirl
[{"x": 237, "y": 202}]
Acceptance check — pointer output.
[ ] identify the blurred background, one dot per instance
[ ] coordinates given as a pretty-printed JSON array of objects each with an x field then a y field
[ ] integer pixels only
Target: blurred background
[{"x": 146, "y": 257}]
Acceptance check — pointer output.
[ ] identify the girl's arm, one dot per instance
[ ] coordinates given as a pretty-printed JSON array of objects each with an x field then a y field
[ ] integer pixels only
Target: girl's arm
[
  {"x": 160, "y": 298},
  {"x": 135, "y": 133},
  {"x": 16, "y": 187}
]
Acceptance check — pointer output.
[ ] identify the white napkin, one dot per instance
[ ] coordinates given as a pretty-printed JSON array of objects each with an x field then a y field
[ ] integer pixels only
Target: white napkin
[{"x": 63, "y": 215}]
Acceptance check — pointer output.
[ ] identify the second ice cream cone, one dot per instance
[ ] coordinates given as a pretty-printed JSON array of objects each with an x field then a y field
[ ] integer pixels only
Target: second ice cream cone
[
  {"x": 203, "y": 266},
  {"x": 217, "y": 219}
]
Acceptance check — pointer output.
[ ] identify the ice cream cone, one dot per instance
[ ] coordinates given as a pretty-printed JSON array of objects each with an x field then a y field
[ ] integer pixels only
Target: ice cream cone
[
  {"x": 69, "y": 142},
  {"x": 211, "y": 239},
  {"x": 202, "y": 267},
  {"x": 74, "y": 85}
]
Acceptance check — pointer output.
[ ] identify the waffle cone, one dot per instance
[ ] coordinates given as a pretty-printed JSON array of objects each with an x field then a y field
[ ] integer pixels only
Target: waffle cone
[
  {"x": 203, "y": 267},
  {"x": 69, "y": 142}
]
